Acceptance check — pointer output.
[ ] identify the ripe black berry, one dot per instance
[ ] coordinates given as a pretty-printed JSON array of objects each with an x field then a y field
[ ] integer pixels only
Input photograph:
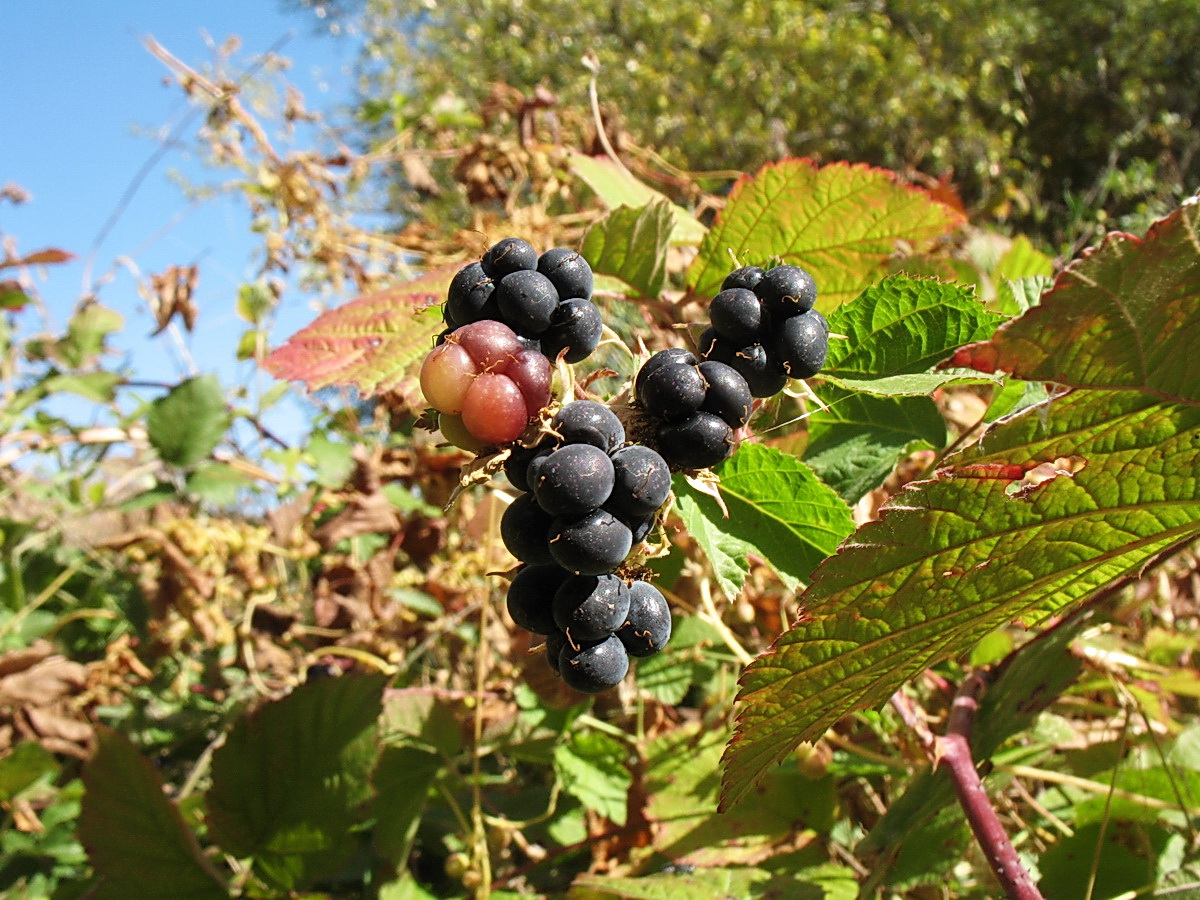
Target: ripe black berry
[
  {"x": 728, "y": 395},
  {"x": 801, "y": 344},
  {"x": 787, "y": 290},
  {"x": 592, "y": 668},
  {"x": 575, "y": 326},
  {"x": 696, "y": 443},
  {"x": 525, "y": 530},
  {"x": 590, "y": 607},
  {"x": 673, "y": 391},
  {"x": 589, "y": 422},
  {"x": 569, "y": 272},
  {"x": 573, "y": 479},
  {"x": 509, "y": 255},
  {"x": 591, "y": 544},
  {"x": 737, "y": 315},
  {"x": 648, "y": 627},
  {"x": 530, "y": 599},
  {"x": 527, "y": 301},
  {"x": 641, "y": 483}
]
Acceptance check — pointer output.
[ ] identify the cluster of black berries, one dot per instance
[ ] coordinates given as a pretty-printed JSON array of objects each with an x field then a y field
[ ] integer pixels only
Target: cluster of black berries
[
  {"x": 763, "y": 331},
  {"x": 697, "y": 406},
  {"x": 764, "y": 325},
  {"x": 546, "y": 298},
  {"x": 587, "y": 499},
  {"x": 588, "y": 496}
]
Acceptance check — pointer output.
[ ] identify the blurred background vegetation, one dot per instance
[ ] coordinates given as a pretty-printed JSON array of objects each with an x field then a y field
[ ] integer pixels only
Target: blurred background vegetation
[{"x": 1054, "y": 119}]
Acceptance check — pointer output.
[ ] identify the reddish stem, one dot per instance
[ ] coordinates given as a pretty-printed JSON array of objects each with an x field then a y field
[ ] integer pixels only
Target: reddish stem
[{"x": 954, "y": 752}]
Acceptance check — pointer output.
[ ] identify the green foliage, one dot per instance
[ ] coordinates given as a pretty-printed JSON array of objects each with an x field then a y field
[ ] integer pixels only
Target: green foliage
[
  {"x": 976, "y": 92},
  {"x": 631, "y": 244},
  {"x": 186, "y": 424},
  {"x": 245, "y": 751},
  {"x": 777, "y": 510},
  {"x": 1108, "y": 476},
  {"x": 841, "y": 223},
  {"x": 321, "y": 736},
  {"x": 135, "y": 836}
]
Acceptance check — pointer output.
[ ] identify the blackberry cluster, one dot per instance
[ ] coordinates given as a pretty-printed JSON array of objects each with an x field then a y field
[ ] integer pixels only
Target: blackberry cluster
[
  {"x": 763, "y": 325},
  {"x": 696, "y": 406},
  {"x": 587, "y": 499},
  {"x": 587, "y": 494},
  {"x": 545, "y": 299}
]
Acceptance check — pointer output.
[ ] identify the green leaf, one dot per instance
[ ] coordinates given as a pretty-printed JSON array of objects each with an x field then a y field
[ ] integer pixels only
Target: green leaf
[
  {"x": 86, "y": 331},
  {"x": 402, "y": 780},
  {"x": 617, "y": 187},
  {"x": 778, "y": 510},
  {"x": 136, "y": 840},
  {"x": 254, "y": 301},
  {"x": 593, "y": 769},
  {"x": 421, "y": 717},
  {"x": 1029, "y": 680},
  {"x": 919, "y": 384},
  {"x": 217, "y": 483},
  {"x": 667, "y": 676},
  {"x": 289, "y": 782},
  {"x": 840, "y": 222},
  {"x": 702, "y": 884},
  {"x": 405, "y": 888},
  {"x": 376, "y": 342},
  {"x": 25, "y": 764},
  {"x": 856, "y": 439},
  {"x": 1125, "y": 316},
  {"x": 1023, "y": 260},
  {"x": 332, "y": 461},
  {"x": 1066, "y": 498},
  {"x": 98, "y": 387},
  {"x": 631, "y": 244},
  {"x": 187, "y": 424},
  {"x": 1123, "y": 867},
  {"x": 682, "y": 783},
  {"x": 904, "y": 326},
  {"x": 13, "y": 296}
]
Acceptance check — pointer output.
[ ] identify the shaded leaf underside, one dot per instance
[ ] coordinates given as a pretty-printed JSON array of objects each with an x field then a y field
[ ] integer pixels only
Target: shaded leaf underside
[
  {"x": 982, "y": 544},
  {"x": 1125, "y": 315}
]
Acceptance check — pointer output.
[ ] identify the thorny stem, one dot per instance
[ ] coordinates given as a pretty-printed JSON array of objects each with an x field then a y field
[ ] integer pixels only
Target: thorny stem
[{"x": 954, "y": 752}]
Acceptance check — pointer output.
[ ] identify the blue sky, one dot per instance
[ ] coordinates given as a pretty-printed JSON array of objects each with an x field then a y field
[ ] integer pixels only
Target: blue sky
[{"x": 83, "y": 106}]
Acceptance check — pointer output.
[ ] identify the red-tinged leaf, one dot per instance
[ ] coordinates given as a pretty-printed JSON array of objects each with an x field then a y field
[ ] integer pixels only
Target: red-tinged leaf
[
  {"x": 840, "y": 222},
  {"x": 375, "y": 343},
  {"x": 46, "y": 257},
  {"x": 1054, "y": 505},
  {"x": 1126, "y": 315}
]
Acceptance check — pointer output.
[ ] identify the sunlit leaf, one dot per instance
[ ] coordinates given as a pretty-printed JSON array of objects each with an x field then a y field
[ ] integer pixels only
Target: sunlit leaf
[
  {"x": 856, "y": 439},
  {"x": 1058, "y": 503},
  {"x": 841, "y": 222},
  {"x": 631, "y": 244},
  {"x": 779, "y": 511},
  {"x": 136, "y": 840},
  {"x": 617, "y": 187},
  {"x": 186, "y": 424},
  {"x": 376, "y": 343},
  {"x": 904, "y": 326},
  {"x": 594, "y": 770}
]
